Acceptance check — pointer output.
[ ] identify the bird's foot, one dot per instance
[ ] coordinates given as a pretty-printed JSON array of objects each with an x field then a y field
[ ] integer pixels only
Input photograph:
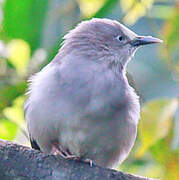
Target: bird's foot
[
  {"x": 58, "y": 151},
  {"x": 73, "y": 157},
  {"x": 89, "y": 161}
]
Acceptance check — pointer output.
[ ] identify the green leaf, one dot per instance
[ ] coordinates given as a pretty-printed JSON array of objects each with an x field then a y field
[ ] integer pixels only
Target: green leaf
[
  {"x": 19, "y": 55},
  {"x": 171, "y": 29},
  {"x": 15, "y": 112},
  {"x": 134, "y": 10},
  {"x": 9, "y": 93},
  {"x": 106, "y": 8},
  {"x": 8, "y": 129},
  {"x": 90, "y": 7},
  {"x": 161, "y": 150},
  {"x": 24, "y": 20},
  {"x": 169, "y": 51},
  {"x": 156, "y": 122},
  {"x": 162, "y": 153}
]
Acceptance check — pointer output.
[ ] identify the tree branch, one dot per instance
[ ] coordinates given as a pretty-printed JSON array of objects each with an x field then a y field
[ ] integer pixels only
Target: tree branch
[{"x": 23, "y": 163}]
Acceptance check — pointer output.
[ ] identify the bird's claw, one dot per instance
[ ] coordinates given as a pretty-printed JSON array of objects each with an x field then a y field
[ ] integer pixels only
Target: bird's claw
[
  {"x": 73, "y": 157},
  {"x": 57, "y": 150},
  {"x": 88, "y": 161}
]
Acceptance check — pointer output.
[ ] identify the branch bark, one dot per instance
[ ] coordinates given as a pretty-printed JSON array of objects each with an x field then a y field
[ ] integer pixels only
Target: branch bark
[{"x": 23, "y": 163}]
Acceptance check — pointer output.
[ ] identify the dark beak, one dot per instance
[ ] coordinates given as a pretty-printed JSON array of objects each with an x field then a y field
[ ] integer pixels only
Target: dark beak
[{"x": 144, "y": 40}]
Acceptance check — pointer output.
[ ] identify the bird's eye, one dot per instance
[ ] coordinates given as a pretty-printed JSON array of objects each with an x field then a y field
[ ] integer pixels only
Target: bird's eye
[{"x": 120, "y": 38}]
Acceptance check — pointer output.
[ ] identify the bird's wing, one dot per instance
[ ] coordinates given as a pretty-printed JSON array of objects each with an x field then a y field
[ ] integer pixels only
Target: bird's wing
[{"x": 34, "y": 144}]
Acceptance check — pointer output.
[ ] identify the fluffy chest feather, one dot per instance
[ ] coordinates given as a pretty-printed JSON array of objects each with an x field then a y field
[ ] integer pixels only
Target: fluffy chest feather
[{"x": 81, "y": 111}]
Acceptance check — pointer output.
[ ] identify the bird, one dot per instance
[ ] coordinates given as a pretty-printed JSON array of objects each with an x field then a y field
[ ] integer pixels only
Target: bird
[{"x": 81, "y": 104}]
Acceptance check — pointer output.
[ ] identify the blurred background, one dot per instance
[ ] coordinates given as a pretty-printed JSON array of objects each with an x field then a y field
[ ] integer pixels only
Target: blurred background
[{"x": 31, "y": 32}]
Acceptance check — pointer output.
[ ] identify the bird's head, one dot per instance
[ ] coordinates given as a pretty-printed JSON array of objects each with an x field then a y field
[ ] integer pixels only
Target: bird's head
[{"x": 104, "y": 40}]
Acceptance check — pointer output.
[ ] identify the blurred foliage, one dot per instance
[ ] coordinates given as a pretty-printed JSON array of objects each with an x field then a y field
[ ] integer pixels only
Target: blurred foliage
[
  {"x": 171, "y": 31},
  {"x": 19, "y": 53},
  {"x": 156, "y": 124},
  {"x": 135, "y": 9},
  {"x": 15, "y": 112},
  {"x": 89, "y": 8},
  {"x": 27, "y": 44},
  {"x": 9, "y": 92},
  {"x": 8, "y": 129},
  {"x": 24, "y": 20}
]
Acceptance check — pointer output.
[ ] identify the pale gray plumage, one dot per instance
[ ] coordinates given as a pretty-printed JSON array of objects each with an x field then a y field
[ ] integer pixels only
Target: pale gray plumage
[{"x": 82, "y": 99}]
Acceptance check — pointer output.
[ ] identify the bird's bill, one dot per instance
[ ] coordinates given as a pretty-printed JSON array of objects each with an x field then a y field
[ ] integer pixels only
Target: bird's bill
[{"x": 144, "y": 40}]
